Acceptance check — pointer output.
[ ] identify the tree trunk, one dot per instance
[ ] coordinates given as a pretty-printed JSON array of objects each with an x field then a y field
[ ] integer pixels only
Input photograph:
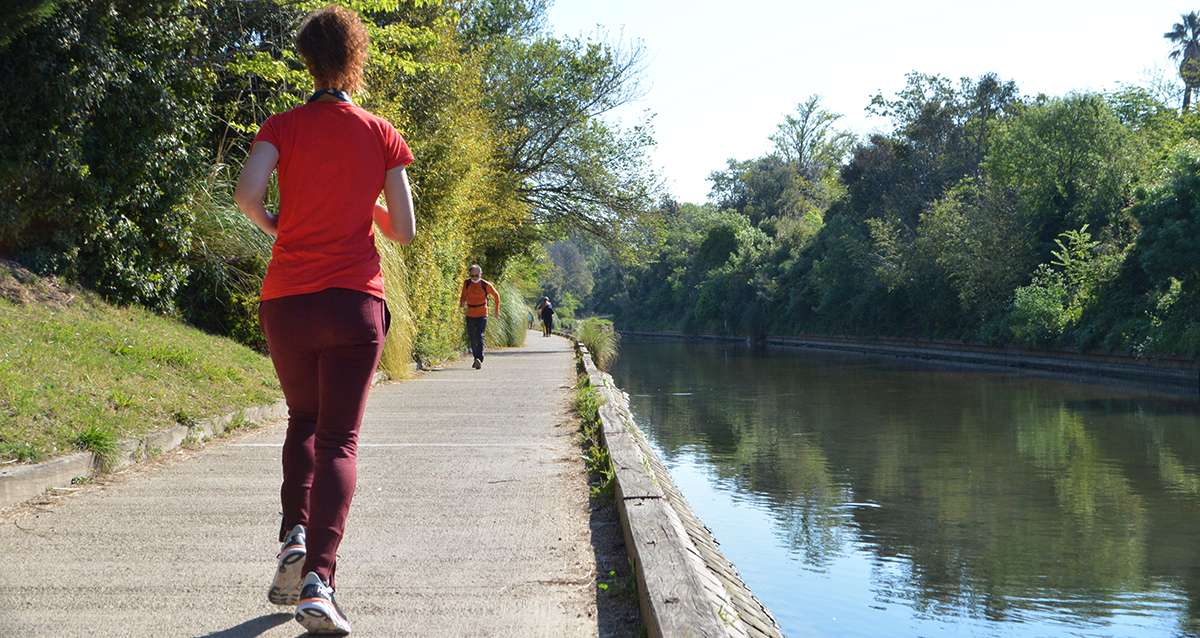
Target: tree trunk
[{"x": 1187, "y": 97}]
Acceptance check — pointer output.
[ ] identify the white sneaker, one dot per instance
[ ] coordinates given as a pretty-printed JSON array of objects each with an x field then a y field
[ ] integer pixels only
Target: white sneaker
[
  {"x": 318, "y": 612},
  {"x": 285, "y": 588}
]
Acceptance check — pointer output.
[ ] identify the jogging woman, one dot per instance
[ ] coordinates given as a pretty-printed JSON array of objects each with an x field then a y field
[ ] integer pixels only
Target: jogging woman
[{"x": 322, "y": 306}]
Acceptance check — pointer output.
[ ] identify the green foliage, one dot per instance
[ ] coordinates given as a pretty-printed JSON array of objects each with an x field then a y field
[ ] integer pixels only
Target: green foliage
[
  {"x": 547, "y": 94},
  {"x": 587, "y": 406},
  {"x": 1153, "y": 304},
  {"x": 977, "y": 243},
  {"x": 981, "y": 216},
  {"x": 601, "y": 339},
  {"x": 1068, "y": 161},
  {"x": 102, "y": 144},
  {"x": 1170, "y": 221},
  {"x": 99, "y": 441},
  {"x": 566, "y": 307},
  {"x": 115, "y": 172},
  {"x": 510, "y": 328},
  {"x": 1040, "y": 310}
]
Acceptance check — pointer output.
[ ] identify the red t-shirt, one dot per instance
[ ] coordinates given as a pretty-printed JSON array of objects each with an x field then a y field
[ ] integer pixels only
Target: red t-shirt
[{"x": 332, "y": 161}]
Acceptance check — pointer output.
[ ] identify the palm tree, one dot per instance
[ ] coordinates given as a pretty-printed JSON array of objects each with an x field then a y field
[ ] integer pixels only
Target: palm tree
[{"x": 1185, "y": 36}]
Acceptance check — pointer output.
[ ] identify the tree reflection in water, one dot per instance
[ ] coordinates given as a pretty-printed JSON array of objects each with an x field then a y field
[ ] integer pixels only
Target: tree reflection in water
[{"x": 979, "y": 495}]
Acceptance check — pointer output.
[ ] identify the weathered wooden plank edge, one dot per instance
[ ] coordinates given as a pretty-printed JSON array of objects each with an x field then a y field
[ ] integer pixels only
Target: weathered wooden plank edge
[
  {"x": 661, "y": 548},
  {"x": 673, "y": 599}
]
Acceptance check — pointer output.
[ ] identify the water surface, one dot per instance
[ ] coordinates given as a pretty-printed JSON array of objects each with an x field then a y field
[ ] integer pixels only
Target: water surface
[{"x": 872, "y": 497}]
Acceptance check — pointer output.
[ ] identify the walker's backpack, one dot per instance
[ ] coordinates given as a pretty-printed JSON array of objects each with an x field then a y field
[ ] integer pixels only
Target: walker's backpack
[{"x": 482, "y": 284}]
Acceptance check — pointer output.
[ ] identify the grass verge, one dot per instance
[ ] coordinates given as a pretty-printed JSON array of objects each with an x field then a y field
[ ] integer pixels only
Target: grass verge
[
  {"x": 595, "y": 455},
  {"x": 77, "y": 373}
]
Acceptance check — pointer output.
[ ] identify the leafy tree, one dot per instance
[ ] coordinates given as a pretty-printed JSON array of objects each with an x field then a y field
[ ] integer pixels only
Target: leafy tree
[
  {"x": 551, "y": 97},
  {"x": 755, "y": 188},
  {"x": 976, "y": 240},
  {"x": 101, "y": 144},
  {"x": 571, "y": 272},
  {"x": 942, "y": 135},
  {"x": 1170, "y": 221},
  {"x": 486, "y": 21},
  {"x": 809, "y": 140},
  {"x": 1068, "y": 161}
]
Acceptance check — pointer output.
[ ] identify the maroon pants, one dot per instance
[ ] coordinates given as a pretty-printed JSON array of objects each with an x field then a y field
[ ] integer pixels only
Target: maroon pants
[{"x": 325, "y": 347}]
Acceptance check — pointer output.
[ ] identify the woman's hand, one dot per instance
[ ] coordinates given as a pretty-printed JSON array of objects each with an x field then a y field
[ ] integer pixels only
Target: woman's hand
[{"x": 252, "y": 186}]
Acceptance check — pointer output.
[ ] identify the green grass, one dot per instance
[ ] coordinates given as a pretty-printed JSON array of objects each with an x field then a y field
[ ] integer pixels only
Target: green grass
[
  {"x": 595, "y": 455},
  {"x": 86, "y": 374},
  {"x": 99, "y": 441},
  {"x": 509, "y": 329},
  {"x": 601, "y": 339}
]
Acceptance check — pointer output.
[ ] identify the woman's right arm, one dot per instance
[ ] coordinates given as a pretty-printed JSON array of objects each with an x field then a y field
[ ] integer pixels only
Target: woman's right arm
[
  {"x": 252, "y": 186},
  {"x": 397, "y": 221}
]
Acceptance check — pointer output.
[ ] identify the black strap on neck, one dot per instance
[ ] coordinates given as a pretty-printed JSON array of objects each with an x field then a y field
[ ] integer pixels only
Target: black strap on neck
[{"x": 341, "y": 95}]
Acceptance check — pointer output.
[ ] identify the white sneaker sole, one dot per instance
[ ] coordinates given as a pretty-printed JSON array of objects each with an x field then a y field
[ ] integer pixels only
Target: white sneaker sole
[
  {"x": 285, "y": 589},
  {"x": 319, "y": 617}
]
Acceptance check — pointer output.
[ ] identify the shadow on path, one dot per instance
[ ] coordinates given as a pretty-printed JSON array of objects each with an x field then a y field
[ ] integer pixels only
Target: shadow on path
[
  {"x": 617, "y": 605},
  {"x": 253, "y": 627}
]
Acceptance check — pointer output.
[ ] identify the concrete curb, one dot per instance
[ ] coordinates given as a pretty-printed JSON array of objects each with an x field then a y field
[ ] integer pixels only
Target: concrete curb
[
  {"x": 24, "y": 482},
  {"x": 1174, "y": 374},
  {"x": 686, "y": 587}
]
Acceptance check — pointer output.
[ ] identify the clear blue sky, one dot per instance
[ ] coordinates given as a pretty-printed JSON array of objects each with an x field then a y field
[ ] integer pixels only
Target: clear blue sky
[{"x": 720, "y": 74}]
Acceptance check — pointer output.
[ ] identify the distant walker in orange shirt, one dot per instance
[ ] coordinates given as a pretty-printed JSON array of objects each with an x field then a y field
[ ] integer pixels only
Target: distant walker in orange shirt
[{"x": 473, "y": 300}]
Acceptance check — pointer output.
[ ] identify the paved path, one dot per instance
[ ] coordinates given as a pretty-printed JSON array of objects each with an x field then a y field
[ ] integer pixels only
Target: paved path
[{"x": 471, "y": 519}]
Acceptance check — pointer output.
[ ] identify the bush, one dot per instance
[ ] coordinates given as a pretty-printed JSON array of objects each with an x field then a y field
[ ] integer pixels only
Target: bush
[
  {"x": 397, "y": 356},
  {"x": 1039, "y": 310},
  {"x": 510, "y": 328},
  {"x": 103, "y": 145},
  {"x": 228, "y": 260},
  {"x": 1063, "y": 289},
  {"x": 601, "y": 339}
]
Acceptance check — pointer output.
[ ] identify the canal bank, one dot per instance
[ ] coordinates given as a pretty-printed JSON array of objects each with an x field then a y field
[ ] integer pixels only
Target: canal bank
[
  {"x": 686, "y": 586},
  {"x": 1173, "y": 374}
]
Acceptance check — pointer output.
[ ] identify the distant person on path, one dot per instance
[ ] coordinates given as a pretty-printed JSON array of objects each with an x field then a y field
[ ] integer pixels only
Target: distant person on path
[
  {"x": 546, "y": 310},
  {"x": 322, "y": 308},
  {"x": 473, "y": 300}
]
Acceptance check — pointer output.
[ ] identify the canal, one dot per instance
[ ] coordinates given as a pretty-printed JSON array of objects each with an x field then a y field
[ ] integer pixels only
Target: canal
[{"x": 874, "y": 497}]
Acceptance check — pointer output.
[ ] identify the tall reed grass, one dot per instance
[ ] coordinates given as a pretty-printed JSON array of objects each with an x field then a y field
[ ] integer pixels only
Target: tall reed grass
[
  {"x": 510, "y": 328},
  {"x": 601, "y": 339},
  {"x": 227, "y": 261},
  {"x": 398, "y": 349}
]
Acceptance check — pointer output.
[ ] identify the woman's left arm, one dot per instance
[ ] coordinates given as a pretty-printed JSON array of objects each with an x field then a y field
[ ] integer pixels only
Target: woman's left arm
[{"x": 252, "y": 186}]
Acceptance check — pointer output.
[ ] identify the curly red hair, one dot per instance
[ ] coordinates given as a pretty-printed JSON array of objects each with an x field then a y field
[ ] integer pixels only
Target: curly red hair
[{"x": 333, "y": 43}]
